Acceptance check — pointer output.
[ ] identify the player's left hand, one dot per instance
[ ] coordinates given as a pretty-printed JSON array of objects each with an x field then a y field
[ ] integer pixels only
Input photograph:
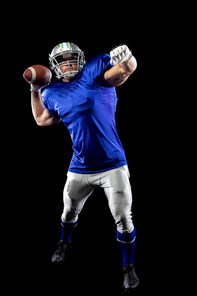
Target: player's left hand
[{"x": 120, "y": 54}]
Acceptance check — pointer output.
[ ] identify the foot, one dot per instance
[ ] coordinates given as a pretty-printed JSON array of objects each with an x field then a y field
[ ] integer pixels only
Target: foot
[
  {"x": 131, "y": 280},
  {"x": 60, "y": 254}
]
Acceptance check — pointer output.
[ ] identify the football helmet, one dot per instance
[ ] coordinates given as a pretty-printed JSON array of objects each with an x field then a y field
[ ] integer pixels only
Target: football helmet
[{"x": 63, "y": 51}]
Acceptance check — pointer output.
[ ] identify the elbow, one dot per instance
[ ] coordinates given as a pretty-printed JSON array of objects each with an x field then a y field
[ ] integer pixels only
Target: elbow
[
  {"x": 135, "y": 67},
  {"x": 39, "y": 121},
  {"x": 130, "y": 67},
  {"x": 133, "y": 64}
]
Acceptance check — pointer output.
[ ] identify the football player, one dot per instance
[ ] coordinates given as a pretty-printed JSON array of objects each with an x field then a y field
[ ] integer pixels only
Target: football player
[{"x": 84, "y": 99}]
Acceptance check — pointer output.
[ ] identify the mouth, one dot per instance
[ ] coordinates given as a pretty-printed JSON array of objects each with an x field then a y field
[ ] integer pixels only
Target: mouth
[{"x": 69, "y": 69}]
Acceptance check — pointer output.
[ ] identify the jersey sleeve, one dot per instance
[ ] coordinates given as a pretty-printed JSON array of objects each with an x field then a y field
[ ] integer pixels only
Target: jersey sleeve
[
  {"x": 96, "y": 69},
  {"x": 48, "y": 103}
]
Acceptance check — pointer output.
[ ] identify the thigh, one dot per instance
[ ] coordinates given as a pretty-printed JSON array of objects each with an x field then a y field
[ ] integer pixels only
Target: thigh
[
  {"x": 76, "y": 187},
  {"x": 76, "y": 192},
  {"x": 118, "y": 191},
  {"x": 116, "y": 180}
]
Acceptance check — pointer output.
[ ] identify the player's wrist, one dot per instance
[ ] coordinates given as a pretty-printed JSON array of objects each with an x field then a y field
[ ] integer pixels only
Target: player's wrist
[{"x": 36, "y": 88}]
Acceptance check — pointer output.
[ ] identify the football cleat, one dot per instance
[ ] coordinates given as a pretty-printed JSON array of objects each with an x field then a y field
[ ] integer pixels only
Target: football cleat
[
  {"x": 131, "y": 279},
  {"x": 60, "y": 254}
]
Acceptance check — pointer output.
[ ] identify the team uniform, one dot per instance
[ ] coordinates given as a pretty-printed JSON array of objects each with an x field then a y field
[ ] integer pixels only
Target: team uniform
[{"x": 86, "y": 106}]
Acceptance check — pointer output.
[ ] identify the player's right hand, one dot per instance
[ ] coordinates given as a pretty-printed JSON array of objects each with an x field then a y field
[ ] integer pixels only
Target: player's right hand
[{"x": 37, "y": 88}]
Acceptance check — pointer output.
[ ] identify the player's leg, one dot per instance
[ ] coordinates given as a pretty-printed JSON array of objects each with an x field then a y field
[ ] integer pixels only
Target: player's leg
[
  {"x": 76, "y": 192},
  {"x": 118, "y": 191}
]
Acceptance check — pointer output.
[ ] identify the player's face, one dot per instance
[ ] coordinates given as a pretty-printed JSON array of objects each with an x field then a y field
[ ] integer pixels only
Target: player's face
[{"x": 65, "y": 66}]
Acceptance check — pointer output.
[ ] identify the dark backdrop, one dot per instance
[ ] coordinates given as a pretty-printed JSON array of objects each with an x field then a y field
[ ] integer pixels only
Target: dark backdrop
[{"x": 40, "y": 157}]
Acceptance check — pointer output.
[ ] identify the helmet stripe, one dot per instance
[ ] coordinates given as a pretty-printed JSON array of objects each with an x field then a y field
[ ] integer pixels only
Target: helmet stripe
[{"x": 62, "y": 45}]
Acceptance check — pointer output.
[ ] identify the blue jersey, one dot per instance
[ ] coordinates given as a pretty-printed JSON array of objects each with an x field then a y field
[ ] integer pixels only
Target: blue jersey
[{"x": 87, "y": 107}]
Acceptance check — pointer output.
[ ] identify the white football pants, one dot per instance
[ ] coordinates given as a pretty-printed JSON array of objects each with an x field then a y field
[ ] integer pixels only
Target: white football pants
[{"x": 116, "y": 186}]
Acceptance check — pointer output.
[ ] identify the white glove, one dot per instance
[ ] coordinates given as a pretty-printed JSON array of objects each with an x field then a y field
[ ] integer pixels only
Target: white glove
[
  {"x": 37, "y": 88},
  {"x": 120, "y": 54}
]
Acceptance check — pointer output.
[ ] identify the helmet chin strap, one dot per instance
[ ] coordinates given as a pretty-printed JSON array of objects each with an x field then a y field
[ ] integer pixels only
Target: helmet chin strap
[{"x": 69, "y": 76}]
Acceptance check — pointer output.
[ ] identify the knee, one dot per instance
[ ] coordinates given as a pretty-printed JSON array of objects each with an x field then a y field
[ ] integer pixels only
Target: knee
[
  {"x": 69, "y": 215},
  {"x": 125, "y": 225},
  {"x": 122, "y": 214}
]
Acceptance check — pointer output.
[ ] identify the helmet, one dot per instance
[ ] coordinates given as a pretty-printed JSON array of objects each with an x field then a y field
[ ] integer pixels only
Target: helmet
[{"x": 62, "y": 51}]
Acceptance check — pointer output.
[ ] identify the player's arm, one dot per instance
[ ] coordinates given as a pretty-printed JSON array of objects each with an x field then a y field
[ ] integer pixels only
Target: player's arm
[
  {"x": 125, "y": 65},
  {"x": 41, "y": 115}
]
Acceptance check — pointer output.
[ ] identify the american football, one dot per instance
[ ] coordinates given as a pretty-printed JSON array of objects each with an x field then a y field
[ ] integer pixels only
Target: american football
[{"x": 37, "y": 75}]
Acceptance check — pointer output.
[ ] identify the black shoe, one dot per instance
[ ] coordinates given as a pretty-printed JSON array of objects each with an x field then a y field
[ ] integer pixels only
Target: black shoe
[
  {"x": 131, "y": 280},
  {"x": 60, "y": 254}
]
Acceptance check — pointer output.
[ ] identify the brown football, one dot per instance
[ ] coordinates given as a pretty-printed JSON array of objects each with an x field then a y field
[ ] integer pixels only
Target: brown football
[{"x": 37, "y": 75}]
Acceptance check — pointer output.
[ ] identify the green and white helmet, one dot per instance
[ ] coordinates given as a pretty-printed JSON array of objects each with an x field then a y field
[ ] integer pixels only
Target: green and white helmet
[{"x": 62, "y": 51}]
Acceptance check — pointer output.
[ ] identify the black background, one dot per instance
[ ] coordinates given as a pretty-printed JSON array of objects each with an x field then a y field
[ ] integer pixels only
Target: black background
[{"x": 39, "y": 157}]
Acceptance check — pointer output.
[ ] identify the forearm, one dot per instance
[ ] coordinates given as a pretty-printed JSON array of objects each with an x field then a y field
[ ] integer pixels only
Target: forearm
[
  {"x": 120, "y": 72},
  {"x": 129, "y": 67},
  {"x": 42, "y": 116},
  {"x": 37, "y": 105},
  {"x": 124, "y": 65}
]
